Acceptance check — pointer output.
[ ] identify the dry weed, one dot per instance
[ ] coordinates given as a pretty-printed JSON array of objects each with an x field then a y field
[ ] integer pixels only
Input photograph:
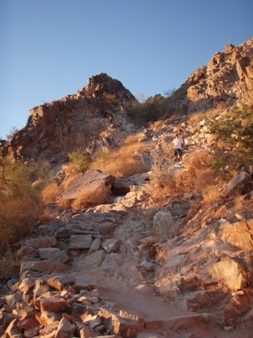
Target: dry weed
[
  {"x": 70, "y": 168},
  {"x": 50, "y": 193},
  {"x": 158, "y": 178},
  {"x": 199, "y": 159},
  {"x": 133, "y": 138},
  {"x": 68, "y": 179},
  {"x": 64, "y": 203},
  {"x": 100, "y": 196},
  {"x": 125, "y": 167},
  {"x": 196, "y": 118},
  {"x": 131, "y": 149},
  {"x": 157, "y": 125},
  {"x": 123, "y": 163},
  {"x": 210, "y": 193},
  {"x": 168, "y": 148}
]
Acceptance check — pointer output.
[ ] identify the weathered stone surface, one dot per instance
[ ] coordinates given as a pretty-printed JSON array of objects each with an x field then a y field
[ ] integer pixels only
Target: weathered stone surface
[
  {"x": 242, "y": 184},
  {"x": 53, "y": 304},
  {"x": 163, "y": 220},
  {"x": 58, "y": 282},
  {"x": 41, "y": 242},
  {"x": 111, "y": 245},
  {"x": 228, "y": 272},
  {"x": 87, "y": 183},
  {"x": 43, "y": 266},
  {"x": 80, "y": 242},
  {"x": 238, "y": 234}
]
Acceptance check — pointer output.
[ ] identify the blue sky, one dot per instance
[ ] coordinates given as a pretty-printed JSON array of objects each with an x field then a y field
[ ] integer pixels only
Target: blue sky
[{"x": 49, "y": 48}]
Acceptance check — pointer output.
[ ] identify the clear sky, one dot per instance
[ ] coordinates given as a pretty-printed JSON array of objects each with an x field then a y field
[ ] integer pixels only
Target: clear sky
[{"x": 50, "y": 48}]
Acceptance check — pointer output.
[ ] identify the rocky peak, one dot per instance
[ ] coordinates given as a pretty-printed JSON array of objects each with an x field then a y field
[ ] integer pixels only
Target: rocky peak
[
  {"x": 227, "y": 77},
  {"x": 54, "y": 129},
  {"x": 101, "y": 85}
]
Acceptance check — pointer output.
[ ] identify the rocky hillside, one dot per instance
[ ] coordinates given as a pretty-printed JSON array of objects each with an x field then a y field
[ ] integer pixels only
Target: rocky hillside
[
  {"x": 162, "y": 257},
  {"x": 85, "y": 120}
]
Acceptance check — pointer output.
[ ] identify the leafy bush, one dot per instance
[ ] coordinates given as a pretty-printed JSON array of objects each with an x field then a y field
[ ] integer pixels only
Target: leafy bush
[{"x": 236, "y": 132}]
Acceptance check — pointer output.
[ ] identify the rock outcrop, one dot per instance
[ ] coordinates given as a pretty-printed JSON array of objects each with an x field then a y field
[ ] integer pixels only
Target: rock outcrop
[
  {"x": 228, "y": 77},
  {"x": 95, "y": 117},
  {"x": 91, "y": 118}
]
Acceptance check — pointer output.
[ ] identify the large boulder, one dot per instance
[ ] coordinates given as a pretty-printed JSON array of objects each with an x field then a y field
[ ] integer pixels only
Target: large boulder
[{"x": 86, "y": 184}]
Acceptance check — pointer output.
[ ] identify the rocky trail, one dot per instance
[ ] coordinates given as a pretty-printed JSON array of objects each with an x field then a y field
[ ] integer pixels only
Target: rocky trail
[{"x": 132, "y": 268}]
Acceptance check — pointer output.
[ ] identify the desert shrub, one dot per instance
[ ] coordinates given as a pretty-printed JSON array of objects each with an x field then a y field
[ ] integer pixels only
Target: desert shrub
[
  {"x": 50, "y": 193},
  {"x": 153, "y": 109},
  {"x": 80, "y": 159},
  {"x": 236, "y": 132},
  {"x": 20, "y": 202},
  {"x": 8, "y": 264},
  {"x": 110, "y": 99},
  {"x": 199, "y": 159},
  {"x": 158, "y": 177}
]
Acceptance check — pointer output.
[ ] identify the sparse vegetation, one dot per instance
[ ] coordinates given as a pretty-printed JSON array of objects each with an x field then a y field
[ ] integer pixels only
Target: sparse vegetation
[
  {"x": 152, "y": 109},
  {"x": 122, "y": 163},
  {"x": 12, "y": 132},
  {"x": 100, "y": 196},
  {"x": 20, "y": 204},
  {"x": 236, "y": 132},
  {"x": 80, "y": 159}
]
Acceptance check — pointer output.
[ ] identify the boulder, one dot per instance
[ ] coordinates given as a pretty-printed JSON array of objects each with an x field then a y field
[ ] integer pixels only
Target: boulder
[
  {"x": 242, "y": 184},
  {"x": 87, "y": 184}
]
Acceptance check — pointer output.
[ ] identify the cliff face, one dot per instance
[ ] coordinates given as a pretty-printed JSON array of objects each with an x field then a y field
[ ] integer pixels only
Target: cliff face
[{"x": 56, "y": 128}]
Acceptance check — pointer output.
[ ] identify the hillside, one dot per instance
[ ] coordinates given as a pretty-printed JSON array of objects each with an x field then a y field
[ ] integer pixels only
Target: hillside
[{"x": 139, "y": 245}]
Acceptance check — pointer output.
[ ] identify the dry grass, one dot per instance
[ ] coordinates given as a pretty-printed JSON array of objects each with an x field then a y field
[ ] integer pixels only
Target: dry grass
[
  {"x": 68, "y": 179},
  {"x": 123, "y": 163},
  {"x": 100, "y": 196},
  {"x": 158, "y": 177},
  {"x": 133, "y": 138},
  {"x": 157, "y": 125},
  {"x": 198, "y": 159},
  {"x": 50, "y": 193},
  {"x": 195, "y": 118},
  {"x": 87, "y": 199},
  {"x": 197, "y": 176},
  {"x": 168, "y": 148},
  {"x": 70, "y": 168},
  {"x": 210, "y": 193},
  {"x": 64, "y": 203}
]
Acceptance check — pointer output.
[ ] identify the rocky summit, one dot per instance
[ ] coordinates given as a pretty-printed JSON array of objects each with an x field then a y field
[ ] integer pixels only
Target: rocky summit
[{"x": 141, "y": 264}]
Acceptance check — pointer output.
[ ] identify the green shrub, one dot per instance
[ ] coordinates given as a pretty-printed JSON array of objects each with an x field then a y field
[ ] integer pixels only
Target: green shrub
[
  {"x": 236, "y": 132},
  {"x": 80, "y": 159},
  {"x": 151, "y": 110}
]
